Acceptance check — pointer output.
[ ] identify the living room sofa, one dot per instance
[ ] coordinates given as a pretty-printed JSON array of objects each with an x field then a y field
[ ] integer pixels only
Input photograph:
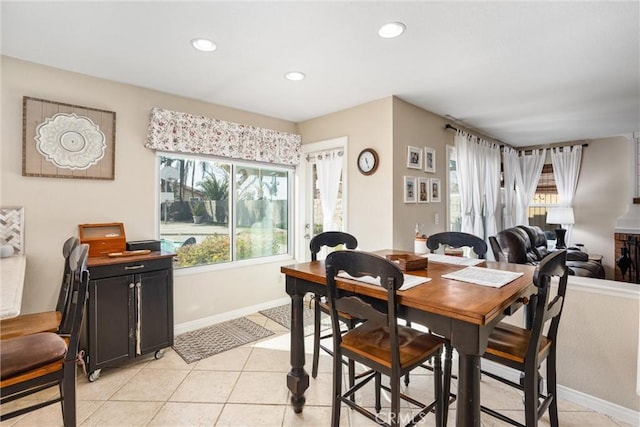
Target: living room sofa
[{"x": 526, "y": 244}]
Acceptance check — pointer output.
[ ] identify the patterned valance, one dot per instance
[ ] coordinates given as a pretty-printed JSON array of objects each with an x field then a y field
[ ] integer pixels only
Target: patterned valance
[{"x": 186, "y": 133}]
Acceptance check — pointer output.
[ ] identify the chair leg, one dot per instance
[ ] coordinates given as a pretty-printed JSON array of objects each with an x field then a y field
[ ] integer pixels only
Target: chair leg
[
  {"x": 68, "y": 390},
  {"x": 352, "y": 376},
  {"x": 446, "y": 389},
  {"x": 394, "y": 414},
  {"x": 377, "y": 385},
  {"x": 438, "y": 388},
  {"x": 337, "y": 388},
  {"x": 316, "y": 336},
  {"x": 552, "y": 388},
  {"x": 531, "y": 397}
]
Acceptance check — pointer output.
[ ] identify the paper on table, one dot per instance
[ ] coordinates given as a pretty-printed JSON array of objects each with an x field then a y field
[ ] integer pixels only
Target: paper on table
[
  {"x": 409, "y": 280},
  {"x": 484, "y": 276},
  {"x": 456, "y": 260}
]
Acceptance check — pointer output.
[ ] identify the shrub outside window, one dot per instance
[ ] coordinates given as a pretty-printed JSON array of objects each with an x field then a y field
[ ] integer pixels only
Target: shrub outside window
[{"x": 215, "y": 211}]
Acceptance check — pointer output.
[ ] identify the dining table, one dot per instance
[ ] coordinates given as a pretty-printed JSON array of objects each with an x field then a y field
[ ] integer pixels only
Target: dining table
[{"x": 463, "y": 313}]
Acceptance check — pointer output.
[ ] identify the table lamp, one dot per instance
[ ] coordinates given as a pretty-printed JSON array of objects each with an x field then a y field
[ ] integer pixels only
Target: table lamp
[{"x": 560, "y": 216}]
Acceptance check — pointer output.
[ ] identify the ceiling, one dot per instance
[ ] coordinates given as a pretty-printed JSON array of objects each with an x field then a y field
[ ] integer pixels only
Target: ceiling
[{"x": 526, "y": 73}]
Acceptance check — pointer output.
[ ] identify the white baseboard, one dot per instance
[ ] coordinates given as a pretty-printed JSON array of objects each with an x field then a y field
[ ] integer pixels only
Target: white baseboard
[
  {"x": 229, "y": 315},
  {"x": 618, "y": 412}
]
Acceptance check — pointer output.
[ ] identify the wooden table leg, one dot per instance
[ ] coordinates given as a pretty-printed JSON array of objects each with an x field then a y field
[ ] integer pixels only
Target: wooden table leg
[
  {"x": 468, "y": 401},
  {"x": 297, "y": 378}
]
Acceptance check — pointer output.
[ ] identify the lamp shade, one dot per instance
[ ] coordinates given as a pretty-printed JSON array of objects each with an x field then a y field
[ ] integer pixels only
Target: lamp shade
[{"x": 560, "y": 216}]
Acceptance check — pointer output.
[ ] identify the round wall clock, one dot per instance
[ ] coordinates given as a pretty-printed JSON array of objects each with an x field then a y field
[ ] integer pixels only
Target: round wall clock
[{"x": 368, "y": 161}]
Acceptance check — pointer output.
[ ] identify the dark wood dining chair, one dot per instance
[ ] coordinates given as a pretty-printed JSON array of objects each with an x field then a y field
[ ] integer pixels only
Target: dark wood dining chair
[
  {"x": 47, "y": 321},
  {"x": 33, "y": 363},
  {"x": 457, "y": 239},
  {"x": 526, "y": 349},
  {"x": 378, "y": 342},
  {"x": 329, "y": 239}
]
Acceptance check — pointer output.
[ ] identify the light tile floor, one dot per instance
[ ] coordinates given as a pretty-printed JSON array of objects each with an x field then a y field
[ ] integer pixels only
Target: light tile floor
[{"x": 246, "y": 386}]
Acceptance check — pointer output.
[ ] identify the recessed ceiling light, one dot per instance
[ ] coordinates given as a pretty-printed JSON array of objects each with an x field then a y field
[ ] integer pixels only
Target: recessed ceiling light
[
  {"x": 294, "y": 75},
  {"x": 391, "y": 30},
  {"x": 205, "y": 45}
]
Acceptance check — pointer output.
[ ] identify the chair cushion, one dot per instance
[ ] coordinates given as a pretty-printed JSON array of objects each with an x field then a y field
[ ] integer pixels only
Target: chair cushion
[
  {"x": 22, "y": 354},
  {"x": 373, "y": 342}
]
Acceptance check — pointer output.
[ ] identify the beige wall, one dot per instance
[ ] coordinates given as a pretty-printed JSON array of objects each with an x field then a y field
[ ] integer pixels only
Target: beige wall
[
  {"x": 367, "y": 125},
  {"x": 598, "y": 345},
  {"x": 602, "y": 195},
  {"x": 413, "y": 126},
  {"x": 55, "y": 207}
]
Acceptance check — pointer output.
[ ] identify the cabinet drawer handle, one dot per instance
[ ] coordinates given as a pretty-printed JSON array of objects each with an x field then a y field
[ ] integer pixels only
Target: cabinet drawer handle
[{"x": 134, "y": 267}]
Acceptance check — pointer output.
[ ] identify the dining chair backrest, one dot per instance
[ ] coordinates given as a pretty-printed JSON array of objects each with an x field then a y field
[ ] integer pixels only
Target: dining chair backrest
[
  {"x": 498, "y": 253},
  {"x": 65, "y": 286},
  {"x": 545, "y": 310},
  {"x": 78, "y": 298},
  {"x": 331, "y": 239},
  {"x": 359, "y": 264},
  {"x": 457, "y": 239}
]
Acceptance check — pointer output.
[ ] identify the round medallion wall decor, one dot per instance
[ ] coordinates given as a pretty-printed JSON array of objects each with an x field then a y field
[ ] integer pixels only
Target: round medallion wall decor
[{"x": 70, "y": 141}]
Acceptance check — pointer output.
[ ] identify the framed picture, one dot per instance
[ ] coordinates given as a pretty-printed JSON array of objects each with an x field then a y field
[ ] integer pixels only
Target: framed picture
[
  {"x": 429, "y": 160},
  {"x": 423, "y": 190},
  {"x": 67, "y": 141},
  {"x": 435, "y": 190},
  {"x": 409, "y": 189},
  {"x": 414, "y": 157}
]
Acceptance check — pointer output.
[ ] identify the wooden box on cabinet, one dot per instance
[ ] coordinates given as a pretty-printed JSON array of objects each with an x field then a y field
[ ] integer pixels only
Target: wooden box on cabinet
[
  {"x": 130, "y": 309},
  {"x": 103, "y": 239}
]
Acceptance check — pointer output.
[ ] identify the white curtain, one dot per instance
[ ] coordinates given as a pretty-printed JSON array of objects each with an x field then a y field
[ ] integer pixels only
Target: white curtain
[
  {"x": 566, "y": 168},
  {"x": 329, "y": 168},
  {"x": 464, "y": 170},
  {"x": 511, "y": 169},
  {"x": 491, "y": 186},
  {"x": 530, "y": 167},
  {"x": 478, "y": 169}
]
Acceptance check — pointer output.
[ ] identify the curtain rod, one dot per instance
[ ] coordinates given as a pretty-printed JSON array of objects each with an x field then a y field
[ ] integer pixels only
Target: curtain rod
[
  {"x": 502, "y": 144},
  {"x": 527, "y": 149}
]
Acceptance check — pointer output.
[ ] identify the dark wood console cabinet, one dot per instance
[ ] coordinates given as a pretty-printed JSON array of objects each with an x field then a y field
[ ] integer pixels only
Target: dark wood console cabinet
[{"x": 130, "y": 309}]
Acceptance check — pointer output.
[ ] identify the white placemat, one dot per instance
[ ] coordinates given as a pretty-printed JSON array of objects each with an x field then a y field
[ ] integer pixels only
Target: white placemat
[
  {"x": 483, "y": 276},
  {"x": 455, "y": 260},
  {"x": 409, "y": 280}
]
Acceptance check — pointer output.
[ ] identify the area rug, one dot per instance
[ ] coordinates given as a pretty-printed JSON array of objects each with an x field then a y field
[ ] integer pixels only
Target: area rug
[
  {"x": 202, "y": 343},
  {"x": 282, "y": 316}
]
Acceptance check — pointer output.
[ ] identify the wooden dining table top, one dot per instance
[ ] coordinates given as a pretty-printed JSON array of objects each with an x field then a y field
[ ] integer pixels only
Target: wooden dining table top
[{"x": 476, "y": 304}]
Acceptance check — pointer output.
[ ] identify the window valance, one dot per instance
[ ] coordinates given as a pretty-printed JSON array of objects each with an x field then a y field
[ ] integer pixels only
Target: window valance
[{"x": 187, "y": 133}]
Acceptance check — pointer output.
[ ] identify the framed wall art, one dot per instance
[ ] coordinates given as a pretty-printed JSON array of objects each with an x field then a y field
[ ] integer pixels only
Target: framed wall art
[
  {"x": 423, "y": 190},
  {"x": 435, "y": 190},
  {"x": 67, "y": 141},
  {"x": 429, "y": 160},
  {"x": 409, "y": 189},
  {"x": 414, "y": 157}
]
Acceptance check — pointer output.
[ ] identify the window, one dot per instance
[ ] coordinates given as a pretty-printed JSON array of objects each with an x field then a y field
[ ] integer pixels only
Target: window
[
  {"x": 215, "y": 211},
  {"x": 546, "y": 196}
]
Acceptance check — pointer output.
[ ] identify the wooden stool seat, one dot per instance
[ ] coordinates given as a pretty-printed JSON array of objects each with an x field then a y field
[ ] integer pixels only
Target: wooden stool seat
[
  {"x": 511, "y": 342},
  {"x": 373, "y": 341}
]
